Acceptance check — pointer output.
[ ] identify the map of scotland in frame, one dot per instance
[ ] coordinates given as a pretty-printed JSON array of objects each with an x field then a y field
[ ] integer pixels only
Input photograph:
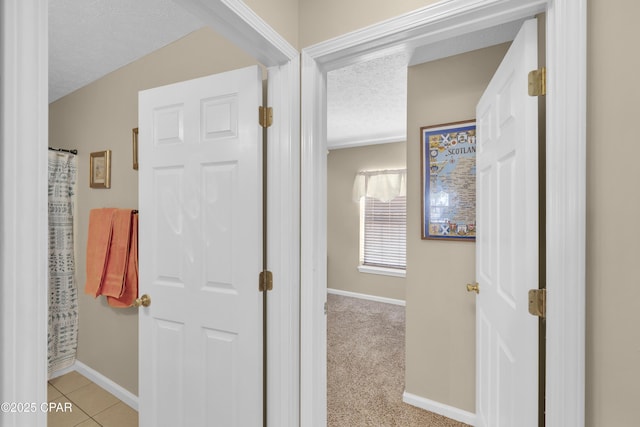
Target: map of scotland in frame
[{"x": 448, "y": 163}]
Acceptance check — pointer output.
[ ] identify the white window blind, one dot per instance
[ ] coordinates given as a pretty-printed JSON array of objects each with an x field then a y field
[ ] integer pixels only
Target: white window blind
[
  {"x": 384, "y": 223},
  {"x": 385, "y": 231}
]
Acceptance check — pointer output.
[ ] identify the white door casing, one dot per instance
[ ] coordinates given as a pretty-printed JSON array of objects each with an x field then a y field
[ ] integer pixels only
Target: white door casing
[
  {"x": 507, "y": 241},
  {"x": 565, "y": 177},
  {"x": 24, "y": 120},
  {"x": 201, "y": 252}
]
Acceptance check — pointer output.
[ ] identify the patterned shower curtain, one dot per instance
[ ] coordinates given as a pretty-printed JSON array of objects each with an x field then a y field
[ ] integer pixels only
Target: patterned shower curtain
[{"x": 63, "y": 297}]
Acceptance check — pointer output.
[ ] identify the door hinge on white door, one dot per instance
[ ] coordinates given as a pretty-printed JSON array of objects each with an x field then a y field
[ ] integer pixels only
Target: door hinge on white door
[
  {"x": 538, "y": 82},
  {"x": 265, "y": 117},
  {"x": 265, "y": 281},
  {"x": 538, "y": 302}
]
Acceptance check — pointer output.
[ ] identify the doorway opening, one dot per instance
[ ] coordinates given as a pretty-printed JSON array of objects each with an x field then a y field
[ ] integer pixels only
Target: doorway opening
[
  {"x": 438, "y": 90},
  {"x": 441, "y": 25}
]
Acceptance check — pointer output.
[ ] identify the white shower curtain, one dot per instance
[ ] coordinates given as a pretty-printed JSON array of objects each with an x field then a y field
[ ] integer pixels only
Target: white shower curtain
[{"x": 63, "y": 296}]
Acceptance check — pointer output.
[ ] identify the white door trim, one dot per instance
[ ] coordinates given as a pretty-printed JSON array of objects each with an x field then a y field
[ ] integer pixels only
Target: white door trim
[
  {"x": 566, "y": 178},
  {"x": 234, "y": 20},
  {"x": 23, "y": 258},
  {"x": 566, "y": 211},
  {"x": 283, "y": 245},
  {"x": 23, "y": 193},
  {"x": 313, "y": 240}
]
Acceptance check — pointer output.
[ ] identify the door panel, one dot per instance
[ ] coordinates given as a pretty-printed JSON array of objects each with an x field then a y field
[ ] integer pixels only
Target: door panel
[
  {"x": 507, "y": 241},
  {"x": 201, "y": 252}
]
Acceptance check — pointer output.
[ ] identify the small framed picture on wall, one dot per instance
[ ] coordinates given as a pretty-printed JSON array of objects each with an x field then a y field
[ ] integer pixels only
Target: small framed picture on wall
[{"x": 100, "y": 169}]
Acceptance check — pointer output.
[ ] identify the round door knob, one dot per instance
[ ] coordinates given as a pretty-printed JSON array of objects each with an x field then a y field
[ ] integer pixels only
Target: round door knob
[
  {"x": 473, "y": 288},
  {"x": 144, "y": 300}
]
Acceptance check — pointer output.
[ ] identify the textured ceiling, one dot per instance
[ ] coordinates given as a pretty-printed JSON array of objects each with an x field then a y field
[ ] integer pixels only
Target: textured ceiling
[
  {"x": 367, "y": 102},
  {"x": 91, "y": 38},
  {"x": 88, "y": 39}
]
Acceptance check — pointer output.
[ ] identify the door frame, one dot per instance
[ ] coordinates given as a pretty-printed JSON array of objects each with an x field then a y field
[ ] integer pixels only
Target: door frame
[
  {"x": 24, "y": 46},
  {"x": 565, "y": 176},
  {"x": 24, "y": 246}
]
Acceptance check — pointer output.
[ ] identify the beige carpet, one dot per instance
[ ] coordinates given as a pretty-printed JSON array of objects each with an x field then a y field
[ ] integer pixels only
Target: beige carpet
[{"x": 365, "y": 367}]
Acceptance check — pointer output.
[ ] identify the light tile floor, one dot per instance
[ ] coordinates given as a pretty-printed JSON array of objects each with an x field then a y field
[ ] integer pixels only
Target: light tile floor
[{"x": 83, "y": 403}]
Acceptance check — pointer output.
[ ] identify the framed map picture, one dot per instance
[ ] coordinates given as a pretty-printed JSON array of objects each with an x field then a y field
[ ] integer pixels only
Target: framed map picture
[{"x": 448, "y": 163}]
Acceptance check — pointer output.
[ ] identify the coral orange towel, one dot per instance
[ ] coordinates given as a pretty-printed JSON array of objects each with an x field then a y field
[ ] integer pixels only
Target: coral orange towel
[
  {"x": 118, "y": 259},
  {"x": 130, "y": 292},
  {"x": 98, "y": 246}
]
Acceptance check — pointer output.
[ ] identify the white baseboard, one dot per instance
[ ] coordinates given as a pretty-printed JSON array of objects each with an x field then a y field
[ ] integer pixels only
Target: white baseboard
[
  {"x": 61, "y": 372},
  {"x": 117, "y": 390},
  {"x": 367, "y": 297},
  {"x": 439, "y": 408}
]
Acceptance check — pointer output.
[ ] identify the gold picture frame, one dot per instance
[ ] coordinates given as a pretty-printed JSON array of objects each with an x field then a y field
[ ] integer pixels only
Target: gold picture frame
[
  {"x": 100, "y": 169},
  {"x": 135, "y": 148}
]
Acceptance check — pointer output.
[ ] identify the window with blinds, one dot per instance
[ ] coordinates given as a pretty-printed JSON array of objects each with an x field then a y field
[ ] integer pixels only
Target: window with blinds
[
  {"x": 385, "y": 231},
  {"x": 383, "y": 219}
]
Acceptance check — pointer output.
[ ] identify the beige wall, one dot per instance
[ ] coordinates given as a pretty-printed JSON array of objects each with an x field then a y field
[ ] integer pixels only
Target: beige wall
[
  {"x": 98, "y": 117},
  {"x": 343, "y": 219},
  {"x": 282, "y": 15},
  {"x": 613, "y": 202},
  {"x": 440, "y": 334},
  {"x": 326, "y": 19}
]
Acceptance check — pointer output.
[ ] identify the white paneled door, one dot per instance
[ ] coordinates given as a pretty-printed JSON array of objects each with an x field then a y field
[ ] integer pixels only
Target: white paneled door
[
  {"x": 507, "y": 241},
  {"x": 201, "y": 252}
]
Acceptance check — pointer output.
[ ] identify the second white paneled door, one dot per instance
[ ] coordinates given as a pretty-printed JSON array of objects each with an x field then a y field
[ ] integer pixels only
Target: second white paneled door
[
  {"x": 507, "y": 241},
  {"x": 201, "y": 348}
]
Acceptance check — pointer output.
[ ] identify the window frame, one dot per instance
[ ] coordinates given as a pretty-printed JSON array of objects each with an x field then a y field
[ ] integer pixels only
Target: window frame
[{"x": 387, "y": 270}]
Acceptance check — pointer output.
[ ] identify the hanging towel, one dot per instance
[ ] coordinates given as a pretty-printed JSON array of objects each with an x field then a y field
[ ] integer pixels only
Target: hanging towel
[
  {"x": 98, "y": 246},
  {"x": 130, "y": 292},
  {"x": 118, "y": 259}
]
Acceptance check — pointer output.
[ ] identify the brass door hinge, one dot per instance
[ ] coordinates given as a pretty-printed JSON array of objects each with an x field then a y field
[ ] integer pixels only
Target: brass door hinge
[
  {"x": 265, "y": 117},
  {"x": 265, "y": 281},
  {"x": 538, "y": 302},
  {"x": 538, "y": 82}
]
